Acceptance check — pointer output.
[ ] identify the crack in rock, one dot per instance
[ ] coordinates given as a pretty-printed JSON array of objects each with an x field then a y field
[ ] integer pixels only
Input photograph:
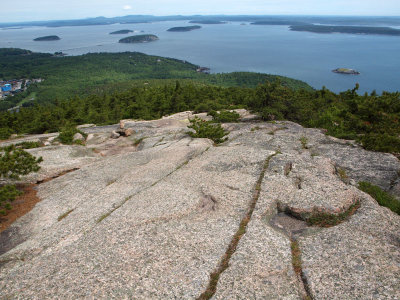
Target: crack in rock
[{"x": 224, "y": 263}]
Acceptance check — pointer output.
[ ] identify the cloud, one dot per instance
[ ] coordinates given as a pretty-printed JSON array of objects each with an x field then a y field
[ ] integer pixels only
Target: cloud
[{"x": 127, "y": 7}]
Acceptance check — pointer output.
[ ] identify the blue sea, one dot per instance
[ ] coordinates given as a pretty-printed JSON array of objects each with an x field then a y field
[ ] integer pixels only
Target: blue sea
[{"x": 240, "y": 47}]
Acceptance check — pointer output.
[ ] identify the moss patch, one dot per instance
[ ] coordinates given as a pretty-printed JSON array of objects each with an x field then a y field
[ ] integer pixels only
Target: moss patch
[
  {"x": 382, "y": 197},
  {"x": 64, "y": 215},
  {"x": 323, "y": 219}
]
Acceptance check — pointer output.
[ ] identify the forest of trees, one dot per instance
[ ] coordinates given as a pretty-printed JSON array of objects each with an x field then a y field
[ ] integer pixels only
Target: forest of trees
[
  {"x": 106, "y": 87},
  {"x": 371, "y": 119},
  {"x": 98, "y": 73}
]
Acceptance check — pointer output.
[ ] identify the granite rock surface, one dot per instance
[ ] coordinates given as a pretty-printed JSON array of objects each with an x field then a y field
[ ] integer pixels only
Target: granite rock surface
[{"x": 151, "y": 216}]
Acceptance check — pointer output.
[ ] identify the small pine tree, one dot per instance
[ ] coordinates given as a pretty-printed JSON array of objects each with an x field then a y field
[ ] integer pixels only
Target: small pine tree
[
  {"x": 206, "y": 129},
  {"x": 14, "y": 163},
  {"x": 8, "y": 194}
]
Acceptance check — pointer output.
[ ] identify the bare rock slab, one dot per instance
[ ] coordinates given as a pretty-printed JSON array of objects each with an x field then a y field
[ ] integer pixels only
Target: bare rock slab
[
  {"x": 151, "y": 216},
  {"x": 358, "y": 259}
]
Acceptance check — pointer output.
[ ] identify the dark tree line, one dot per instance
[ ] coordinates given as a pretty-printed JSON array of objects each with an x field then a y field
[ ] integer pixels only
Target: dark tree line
[{"x": 370, "y": 119}]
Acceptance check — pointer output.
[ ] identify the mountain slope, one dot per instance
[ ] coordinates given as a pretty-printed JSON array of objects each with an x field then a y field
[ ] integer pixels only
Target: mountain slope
[{"x": 154, "y": 215}]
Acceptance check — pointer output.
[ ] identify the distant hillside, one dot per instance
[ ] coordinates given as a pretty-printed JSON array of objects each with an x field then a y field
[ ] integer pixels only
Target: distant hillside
[
  {"x": 346, "y": 29},
  {"x": 67, "y": 76},
  {"x": 216, "y": 19},
  {"x": 217, "y": 22},
  {"x": 278, "y": 22}
]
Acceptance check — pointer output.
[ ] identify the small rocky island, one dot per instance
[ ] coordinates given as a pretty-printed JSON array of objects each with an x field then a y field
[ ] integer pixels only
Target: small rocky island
[
  {"x": 346, "y": 71},
  {"x": 142, "y": 38},
  {"x": 47, "y": 38},
  {"x": 123, "y": 31},
  {"x": 184, "y": 28}
]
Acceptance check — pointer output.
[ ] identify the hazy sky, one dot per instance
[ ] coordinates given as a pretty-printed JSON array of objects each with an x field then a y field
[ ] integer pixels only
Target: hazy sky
[{"x": 27, "y": 10}]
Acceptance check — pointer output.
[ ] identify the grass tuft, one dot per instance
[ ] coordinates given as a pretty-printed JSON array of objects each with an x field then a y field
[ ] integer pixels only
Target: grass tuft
[
  {"x": 303, "y": 140},
  {"x": 382, "y": 197},
  {"x": 138, "y": 141},
  {"x": 296, "y": 257},
  {"x": 64, "y": 215},
  {"x": 103, "y": 217},
  {"x": 342, "y": 174},
  {"x": 224, "y": 263},
  {"x": 323, "y": 219}
]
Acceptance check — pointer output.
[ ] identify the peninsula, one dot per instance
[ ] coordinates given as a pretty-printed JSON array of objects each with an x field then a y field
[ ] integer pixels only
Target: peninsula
[
  {"x": 47, "y": 38},
  {"x": 184, "y": 28},
  {"x": 142, "y": 38},
  {"x": 346, "y": 71},
  {"x": 346, "y": 29},
  {"x": 123, "y": 31}
]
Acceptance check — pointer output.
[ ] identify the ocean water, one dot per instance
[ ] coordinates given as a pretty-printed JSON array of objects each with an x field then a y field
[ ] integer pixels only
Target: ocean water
[{"x": 235, "y": 47}]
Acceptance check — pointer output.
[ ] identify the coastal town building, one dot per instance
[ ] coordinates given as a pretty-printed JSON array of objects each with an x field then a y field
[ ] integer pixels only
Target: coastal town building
[{"x": 14, "y": 86}]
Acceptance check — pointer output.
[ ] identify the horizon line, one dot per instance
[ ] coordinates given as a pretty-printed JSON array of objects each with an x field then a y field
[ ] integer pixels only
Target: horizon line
[{"x": 209, "y": 15}]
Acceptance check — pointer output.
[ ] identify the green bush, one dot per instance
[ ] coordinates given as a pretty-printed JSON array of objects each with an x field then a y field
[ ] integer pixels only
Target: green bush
[
  {"x": 271, "y": 114},
  {"x": 382, "y": 197},
  {"x": 13, "y": 163},
  {"x": 5, "y": 133},
  {"x": 67, "y": 133},
  {"x": 8, "y": 194},
  {"x": 207, "y": 129},
  {"x": 28, "y": 145},
  {"x": 224, "y": 116},
  {"x": 381, "y": 142},
  {"x": 201, "y": 108},
  {"x": 24, "y": 145}
]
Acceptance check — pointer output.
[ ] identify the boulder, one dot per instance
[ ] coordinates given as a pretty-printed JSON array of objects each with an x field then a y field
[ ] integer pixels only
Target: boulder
[
  {"x": 129, "y": 132},
  {"x": 89, "y": 137},
  {"x": 78, "y": 137},
  {"x": 115, "y": 135},
  {"x": 250, "y": 118}
]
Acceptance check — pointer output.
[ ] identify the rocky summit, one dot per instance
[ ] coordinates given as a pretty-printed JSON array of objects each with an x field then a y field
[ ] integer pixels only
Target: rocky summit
[{"x": 156, "y": 214}]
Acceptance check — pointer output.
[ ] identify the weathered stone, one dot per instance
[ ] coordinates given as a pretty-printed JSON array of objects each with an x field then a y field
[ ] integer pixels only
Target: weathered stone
[
  {"x": 78, "y": 137},
  {"x": 358, "y": 259},
  {"x": 51, "y": 139},
  {"x": 151, "y": 216},
  {"x": 89, "y": 137},
  {"x": 85, "y": 126},
  {"x": 250, "y": 118},
  {"x": 115, "y": 135},
  {"x": 129, "y": 132}
]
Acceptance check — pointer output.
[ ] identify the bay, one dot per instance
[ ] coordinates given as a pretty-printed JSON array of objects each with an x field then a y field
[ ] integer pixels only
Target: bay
[{"x": 236, "y": 47}]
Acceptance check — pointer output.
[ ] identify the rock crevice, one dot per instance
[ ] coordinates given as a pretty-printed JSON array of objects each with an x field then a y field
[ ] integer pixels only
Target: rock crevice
[{"x": 153, "y": 214}]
